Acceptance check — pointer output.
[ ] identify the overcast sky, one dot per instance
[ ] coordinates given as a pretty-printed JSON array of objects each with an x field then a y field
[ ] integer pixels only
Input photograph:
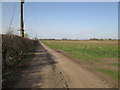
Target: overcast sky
[{"x": 78, "y": 20}]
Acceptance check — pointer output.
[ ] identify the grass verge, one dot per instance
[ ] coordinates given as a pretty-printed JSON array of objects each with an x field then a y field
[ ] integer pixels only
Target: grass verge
[{"x": 111, "y": 73}]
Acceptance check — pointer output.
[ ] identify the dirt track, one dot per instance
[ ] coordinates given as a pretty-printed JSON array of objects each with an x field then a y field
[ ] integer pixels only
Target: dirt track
[
  {"x": 75, "y": 75},
  {"x": 50, "y": 69}
]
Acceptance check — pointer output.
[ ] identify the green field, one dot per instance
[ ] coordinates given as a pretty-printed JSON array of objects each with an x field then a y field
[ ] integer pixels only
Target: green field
[
  {"x": 85, "y": 51},
  {"x": 95, "y": 52}
]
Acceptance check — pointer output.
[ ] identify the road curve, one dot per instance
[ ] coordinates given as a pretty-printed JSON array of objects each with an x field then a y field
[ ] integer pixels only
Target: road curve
[{"x": 75, "y": 75}]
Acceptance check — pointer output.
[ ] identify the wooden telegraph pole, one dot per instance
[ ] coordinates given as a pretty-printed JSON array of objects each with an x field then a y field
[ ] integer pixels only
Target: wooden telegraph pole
[{"x": 21, "y": 19}]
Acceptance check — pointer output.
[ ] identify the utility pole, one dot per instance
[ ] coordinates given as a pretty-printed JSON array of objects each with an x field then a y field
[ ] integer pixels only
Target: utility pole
[{"x": 21, "y": 19}]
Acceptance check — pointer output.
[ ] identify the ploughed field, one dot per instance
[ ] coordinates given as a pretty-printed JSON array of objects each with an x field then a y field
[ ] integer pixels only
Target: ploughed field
[{"x": 100, "y": 57}]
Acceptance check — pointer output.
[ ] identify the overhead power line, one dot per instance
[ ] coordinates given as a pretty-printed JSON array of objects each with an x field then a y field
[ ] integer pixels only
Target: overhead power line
[{"x": 12, "y": 18}]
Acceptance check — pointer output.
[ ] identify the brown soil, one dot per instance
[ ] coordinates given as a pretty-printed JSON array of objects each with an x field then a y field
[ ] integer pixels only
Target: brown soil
[{"x": 92, "y": 42}]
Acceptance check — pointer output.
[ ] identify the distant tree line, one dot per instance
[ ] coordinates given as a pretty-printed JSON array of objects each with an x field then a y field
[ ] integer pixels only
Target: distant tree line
[
  {"x": 101, "y": 39},
  {"x": 78, "y": 39}
]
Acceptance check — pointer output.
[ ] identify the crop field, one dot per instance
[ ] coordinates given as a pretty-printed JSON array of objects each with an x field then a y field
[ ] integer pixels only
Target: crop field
[{"x": 99, "y": 56}]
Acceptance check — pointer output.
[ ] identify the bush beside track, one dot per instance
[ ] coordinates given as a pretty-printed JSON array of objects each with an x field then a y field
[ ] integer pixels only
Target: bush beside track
[{"x": 14, "y": 50}]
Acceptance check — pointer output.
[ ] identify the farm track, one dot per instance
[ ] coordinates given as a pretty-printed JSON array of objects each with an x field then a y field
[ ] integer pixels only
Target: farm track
[
  {"x": 50, "y": 69},
  {"x": 75, "y": 75}
]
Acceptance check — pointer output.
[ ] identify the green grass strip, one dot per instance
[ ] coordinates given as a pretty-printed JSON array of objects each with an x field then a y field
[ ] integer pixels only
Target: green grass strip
[{"x": 109, "y": 72}]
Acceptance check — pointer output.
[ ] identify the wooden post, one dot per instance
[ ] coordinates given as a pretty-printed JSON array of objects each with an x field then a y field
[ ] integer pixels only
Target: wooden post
[{"x": 21, "y": 19}]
